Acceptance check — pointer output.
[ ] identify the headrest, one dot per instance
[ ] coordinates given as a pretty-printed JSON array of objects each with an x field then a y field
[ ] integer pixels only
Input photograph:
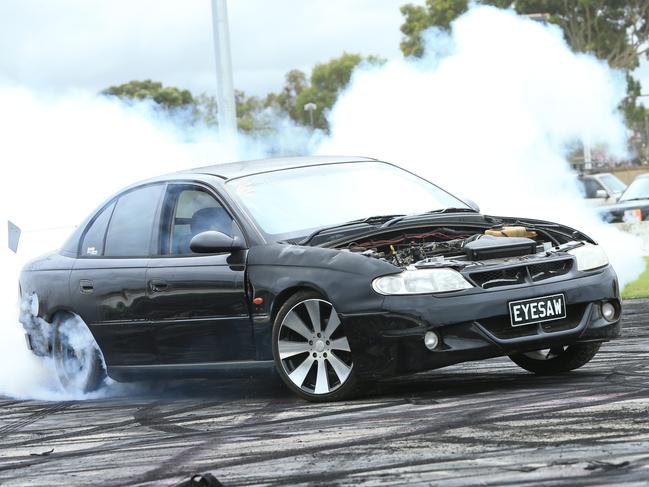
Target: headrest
[{"x": 211, "y": 219}]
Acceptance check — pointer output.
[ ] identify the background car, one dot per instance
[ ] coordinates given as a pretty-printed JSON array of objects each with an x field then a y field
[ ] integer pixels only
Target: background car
[
  {"x": 601, "y": 189},
  {"x": 633, "y": 204},
  {"x": 311, "y": 265}
]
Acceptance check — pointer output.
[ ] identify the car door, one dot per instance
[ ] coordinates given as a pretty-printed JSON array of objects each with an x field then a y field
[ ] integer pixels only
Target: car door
[
  {"x": 198, "y": 307},
  {"x": 108, "y": 282}
]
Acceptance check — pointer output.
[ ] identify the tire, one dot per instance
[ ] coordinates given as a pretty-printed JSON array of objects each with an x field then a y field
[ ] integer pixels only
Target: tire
[
  {"x": 78, "y": 361},
  {"x": 556, "y": 360},
  {"x": 311, "y": 352}
]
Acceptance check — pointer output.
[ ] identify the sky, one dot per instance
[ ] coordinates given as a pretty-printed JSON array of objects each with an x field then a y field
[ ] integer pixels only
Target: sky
[
  {"x": 68, "y": 45},
  {"x": 90, "y": 44}
]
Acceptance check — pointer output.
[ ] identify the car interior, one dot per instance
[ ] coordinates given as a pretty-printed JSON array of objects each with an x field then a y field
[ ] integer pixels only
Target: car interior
[{"x": 194, "y": 211}]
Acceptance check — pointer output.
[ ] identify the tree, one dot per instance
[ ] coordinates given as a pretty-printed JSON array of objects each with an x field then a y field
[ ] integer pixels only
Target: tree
[
  {"x": 418, "y": 18},
  {"x": 326, "y": 82},
  {"x": 249, "y": 111},
  {"x": 286, "y": 100},
  {"x": 616, "y": 31},
  {"x": 167, "y": 97},
  {"x": 206, "y": 109},
  {"x": 323, "y": 86}
]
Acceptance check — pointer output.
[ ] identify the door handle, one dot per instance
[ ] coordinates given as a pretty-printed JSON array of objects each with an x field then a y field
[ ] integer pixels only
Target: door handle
[
  {"x": 158, "y": 285},
  {"x": 86, "y": 286}
]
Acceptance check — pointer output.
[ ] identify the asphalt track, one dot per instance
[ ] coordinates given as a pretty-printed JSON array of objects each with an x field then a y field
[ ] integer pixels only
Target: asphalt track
[{"x": 487, "y": 423}]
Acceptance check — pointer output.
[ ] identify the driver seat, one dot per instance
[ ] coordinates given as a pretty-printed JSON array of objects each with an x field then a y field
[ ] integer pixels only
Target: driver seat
[{"x": 204, "y": 220}]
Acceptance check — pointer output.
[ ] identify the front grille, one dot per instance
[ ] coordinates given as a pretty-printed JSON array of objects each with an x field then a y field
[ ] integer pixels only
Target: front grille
[
  {"x": 511, "y": 276},
  {"x": 547, "y": 270},
  {"x": 500, "y": 326},
  {"x": 502, "y": 277}
]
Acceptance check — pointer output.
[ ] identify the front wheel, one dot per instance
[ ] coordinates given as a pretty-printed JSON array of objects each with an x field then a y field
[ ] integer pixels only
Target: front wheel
[
  {"x": 312, "y": 353},
  {"x": 556, "y": 360},
  {"x": 78, "y": 361}
]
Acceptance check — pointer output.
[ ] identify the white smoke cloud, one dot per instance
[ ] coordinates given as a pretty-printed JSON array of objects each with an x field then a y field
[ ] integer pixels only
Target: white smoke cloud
[
  {"x": 490, "y": 114},
  {"x": 61, "y": 157}
]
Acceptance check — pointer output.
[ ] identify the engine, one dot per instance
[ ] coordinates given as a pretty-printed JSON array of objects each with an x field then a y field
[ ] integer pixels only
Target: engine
[{"x": 452, "y": 246}]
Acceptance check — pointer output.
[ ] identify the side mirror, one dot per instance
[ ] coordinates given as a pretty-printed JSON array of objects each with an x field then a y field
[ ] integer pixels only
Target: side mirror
[
  {"x": 472, "y": 204},
  {"x": 601, "y": 193},
  {"x": 213, "y": 242}
]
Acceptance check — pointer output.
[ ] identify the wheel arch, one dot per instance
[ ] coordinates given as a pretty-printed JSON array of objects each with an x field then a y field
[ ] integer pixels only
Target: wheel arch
[
  {"x": 286, "y": 294},
  {"x": 59, "y": 311},
  {"x": 67, "y": 312}
]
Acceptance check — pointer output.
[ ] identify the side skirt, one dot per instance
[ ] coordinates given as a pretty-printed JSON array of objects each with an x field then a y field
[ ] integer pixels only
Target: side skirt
[{"x": 126, "y": 373}]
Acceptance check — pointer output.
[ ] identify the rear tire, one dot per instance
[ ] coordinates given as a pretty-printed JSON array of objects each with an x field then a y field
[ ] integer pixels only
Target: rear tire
[
  {"x": 556, "y": 360},
  {"x": 311, "y": 352},
  {"x": 78, "y": 361}
]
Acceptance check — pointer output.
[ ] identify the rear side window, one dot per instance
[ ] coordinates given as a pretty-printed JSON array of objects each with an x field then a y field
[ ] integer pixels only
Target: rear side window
[
  {"x": 129, "y": 231},
  {"x": 93, "y": 240}
]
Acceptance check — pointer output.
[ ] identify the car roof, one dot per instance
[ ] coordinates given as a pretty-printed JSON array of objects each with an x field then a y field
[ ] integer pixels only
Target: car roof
[{"x": 232, "y": 170}]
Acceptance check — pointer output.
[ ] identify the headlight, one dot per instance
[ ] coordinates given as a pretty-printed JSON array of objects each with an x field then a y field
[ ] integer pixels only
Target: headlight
[
  {"x": 421, "y": 281},
  {"x": 589, "y": 257}
]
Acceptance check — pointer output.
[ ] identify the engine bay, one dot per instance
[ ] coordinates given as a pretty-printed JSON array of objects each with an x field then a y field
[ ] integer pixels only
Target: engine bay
[{"x": 459, "y": 247}]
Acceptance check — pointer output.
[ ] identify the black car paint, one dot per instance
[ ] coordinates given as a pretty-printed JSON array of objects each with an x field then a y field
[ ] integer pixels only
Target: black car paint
[{"x": 205, "y": 317}]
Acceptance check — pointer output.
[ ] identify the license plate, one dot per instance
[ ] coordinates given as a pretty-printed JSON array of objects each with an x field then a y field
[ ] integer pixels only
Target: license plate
[{"x": 537, "y": 310}]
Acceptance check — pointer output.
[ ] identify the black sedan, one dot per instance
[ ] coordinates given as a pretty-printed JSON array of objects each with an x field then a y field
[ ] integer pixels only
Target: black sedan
[
  {"x": 633, "y": 204},
  {"x": 336, "y": 271}
]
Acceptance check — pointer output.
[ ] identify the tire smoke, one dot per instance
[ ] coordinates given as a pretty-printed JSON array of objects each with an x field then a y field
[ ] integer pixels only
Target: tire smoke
[{"x": 64, "y": 156}]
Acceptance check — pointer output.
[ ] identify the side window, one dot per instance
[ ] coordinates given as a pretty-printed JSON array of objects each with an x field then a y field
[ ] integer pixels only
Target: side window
[
  {"x": 93, "y": 240},
  {"x": 189, "y": 211},
  {"x": 591, "y": 186},
  {"x": 129, "y": 232}
]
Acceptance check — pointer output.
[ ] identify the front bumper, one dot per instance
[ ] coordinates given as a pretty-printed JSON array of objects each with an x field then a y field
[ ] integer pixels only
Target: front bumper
[{"x": 474, "y": 326}]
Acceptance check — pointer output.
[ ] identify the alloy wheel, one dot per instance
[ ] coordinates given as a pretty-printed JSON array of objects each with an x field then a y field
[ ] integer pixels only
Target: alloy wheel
[{"x": 313, "y": 349}]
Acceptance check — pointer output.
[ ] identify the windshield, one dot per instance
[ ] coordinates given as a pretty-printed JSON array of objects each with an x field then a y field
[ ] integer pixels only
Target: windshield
[
  {"x": 639, "y": 188},
  {"x": 292, "y": 202},
  {"x": 613, "y": 184}
]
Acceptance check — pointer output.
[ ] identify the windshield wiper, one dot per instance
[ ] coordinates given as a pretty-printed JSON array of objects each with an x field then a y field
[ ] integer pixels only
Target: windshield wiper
[
  {"x": 391, "y": 222},
  {"x": 452, "y": 210},
  {"x": 370, "y": 220}
]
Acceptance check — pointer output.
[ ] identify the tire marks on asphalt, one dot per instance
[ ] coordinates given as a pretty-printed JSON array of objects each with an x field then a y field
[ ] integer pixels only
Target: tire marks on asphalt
[
  {"x": 30, "y": 417},
  {"x": 484, "y": 422}
]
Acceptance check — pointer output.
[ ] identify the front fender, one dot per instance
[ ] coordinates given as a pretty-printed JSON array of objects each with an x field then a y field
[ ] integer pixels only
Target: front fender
[{"x": 342, "y": 277}]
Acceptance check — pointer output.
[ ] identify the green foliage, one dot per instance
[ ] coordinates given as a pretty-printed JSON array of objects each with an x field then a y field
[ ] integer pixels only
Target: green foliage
[
  {"x": 418, "y": 18},
  {"x": 634, "y": 113},
  {"x": 249, "y": 111},
  {"x": 326, "y": 82},
  {"x": 324, "y": 85},
  {"x": 616, "y": 31},
  {"x": 640, "y": 287},
  {"x": 206, "y": 109},
  {"x": 166, "y": 96},
  {"x": 613, "y": 30},
  {"x": 286, "y": 100}
]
